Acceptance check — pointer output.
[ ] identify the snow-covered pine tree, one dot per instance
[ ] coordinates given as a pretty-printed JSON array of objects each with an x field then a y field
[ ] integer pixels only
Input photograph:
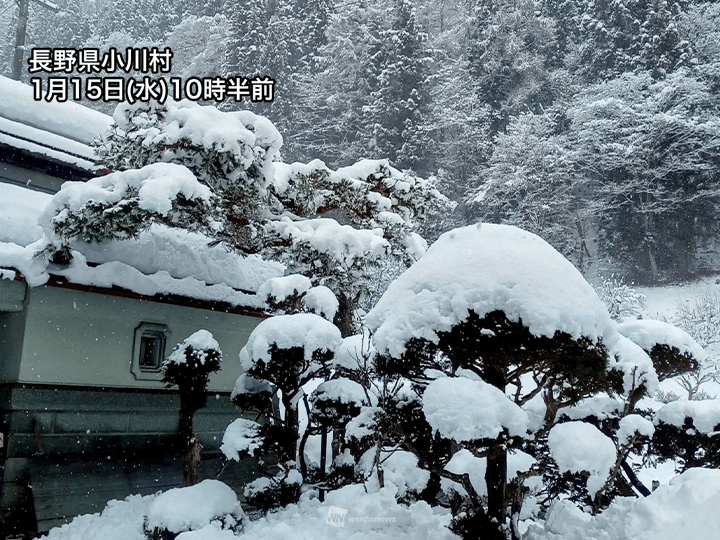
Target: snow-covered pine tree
[
  {"x": 248, "y": 24},
  {"x": 623, "y": 35},
  {"x": 511, "y": 44},
  {"x": 228, "y": 169},
  {"x": 525, "y": 186},
  {"x": 198, "y": 46},
  {"x": 333, "y": 404},
  {"x": 282, "y": 354},
  {"x": 648, "y": 151},
  {"x": 334, "y": 98},
  {"x": 400, "y": 92},
  {"x": 188, "y": 367},
  {"x": 526, "y": 334},
  {"x": 228, "y": 187},
  {"x": 68, "y": 27},
  {"x": 381, "y": 208},
  {"x": 296, "y": 30}
]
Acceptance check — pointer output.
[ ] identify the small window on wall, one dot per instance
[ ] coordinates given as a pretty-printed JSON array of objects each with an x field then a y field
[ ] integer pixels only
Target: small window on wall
[
  {"x": 149, "y": 350},
  {"x": 152, "y": 349}
]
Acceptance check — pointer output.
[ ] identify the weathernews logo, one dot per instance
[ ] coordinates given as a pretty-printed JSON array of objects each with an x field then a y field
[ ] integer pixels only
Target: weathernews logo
[{"x": 336, "y": 516}]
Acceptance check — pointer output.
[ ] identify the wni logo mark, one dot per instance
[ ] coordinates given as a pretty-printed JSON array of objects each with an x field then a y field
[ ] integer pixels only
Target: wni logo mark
[{"x": 336, "y": 516}]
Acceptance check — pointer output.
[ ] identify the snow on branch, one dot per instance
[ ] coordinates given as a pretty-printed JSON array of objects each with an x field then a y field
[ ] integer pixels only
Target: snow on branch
[{"x": 467, "y": 410}]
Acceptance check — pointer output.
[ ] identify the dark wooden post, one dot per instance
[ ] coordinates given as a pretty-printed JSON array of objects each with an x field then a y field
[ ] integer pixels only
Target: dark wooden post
[{"x": 20, "y": 39}]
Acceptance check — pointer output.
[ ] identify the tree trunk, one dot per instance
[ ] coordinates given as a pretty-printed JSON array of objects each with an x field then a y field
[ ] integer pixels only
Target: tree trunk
[
  {"x": 496, "y": 480},
  {"x": 191, "y": 449},
  {"x": 654, "y": 274},
  {"x": 290, "y": 446},
  {"x": 344, "y": 316},
  {"x": 650, "y": 231},
  {"x": 496, "y": 472}
]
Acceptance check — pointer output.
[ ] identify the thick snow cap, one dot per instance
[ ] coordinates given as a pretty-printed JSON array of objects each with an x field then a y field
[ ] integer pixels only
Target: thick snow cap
[
  {"x": 648, "y": 332},
  {"x": 306, "y": 330},
  {"x": 191, "y": 508},
  {"x": 483, "y": 268}
]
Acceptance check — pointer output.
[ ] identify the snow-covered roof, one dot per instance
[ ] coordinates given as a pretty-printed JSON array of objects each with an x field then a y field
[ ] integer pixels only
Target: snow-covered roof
[
  {"x": 161, "y": 261},
  {"x": 483, "y": 268},
  {"x": 59, "y": 131}
]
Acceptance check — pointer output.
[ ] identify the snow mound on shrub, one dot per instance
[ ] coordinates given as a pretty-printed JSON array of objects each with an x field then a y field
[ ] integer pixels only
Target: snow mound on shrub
[
  {"x": 241, "y": 436},
  {"x": 322, "y": 301},
  {"x": 634, "y": 424},
  {"x": 579, "y": 446},
  {"x": 341, "y": 390},
  {"x": 466, "y": 410},
  {"x": 194, "y": 507},
  {"x": 201, "y": 342},
  {"x": 283, "y": 287},
  {"x": 689, "y": 507},
  {"x": 305, "y": 330},
  {"x": 483, "y": 268},
  {"x": 157, "y": 185},
  {"x": 636, "y": 366},
  {"x": 648, "y": 332},
  {"x": 704, "y": 414}
]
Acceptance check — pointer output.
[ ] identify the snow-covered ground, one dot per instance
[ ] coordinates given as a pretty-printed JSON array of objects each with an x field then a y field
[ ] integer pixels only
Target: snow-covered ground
[
  {"x": 346, "y": 513},
  {"x": 686, "y": 508},
  {"x": 665, "y": 304}
]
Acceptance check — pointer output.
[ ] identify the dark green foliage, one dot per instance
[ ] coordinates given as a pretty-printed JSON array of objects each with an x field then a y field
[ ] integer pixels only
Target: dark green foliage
[
  {"x": 472, "y": 523},
  {"x": 279, "y": 441},
  {"x": 399, "y": 91},
  {"x": 501, "y": 352},
  {"x": 694, "y": 448},
  {"x": 403, "y": 422},
  {"x": 289, "y": 370},
  {"x": 101, "y": 221},
  {"x": 191, "y": 376},
  {"x": 254, "y": 401},
  {"x": 670, "y": 362},
  {"x": 330, "y": 414},
  {"x": 189, "y": 369},
  {"x": 619, "y": 36},
  {"x": 279, "y": 493},
  {"x": 511, "y": 44},
  {"x": 239, "y": 197}
]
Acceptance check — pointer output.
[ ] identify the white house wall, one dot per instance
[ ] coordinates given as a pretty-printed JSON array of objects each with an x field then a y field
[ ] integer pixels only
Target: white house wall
[{"x": 83, "y": 338}]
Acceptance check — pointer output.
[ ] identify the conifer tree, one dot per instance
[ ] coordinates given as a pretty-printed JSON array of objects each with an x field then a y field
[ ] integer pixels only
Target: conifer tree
[
  {"x": 399, "y": 97},
  {"x": 188, "y": 367}
]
